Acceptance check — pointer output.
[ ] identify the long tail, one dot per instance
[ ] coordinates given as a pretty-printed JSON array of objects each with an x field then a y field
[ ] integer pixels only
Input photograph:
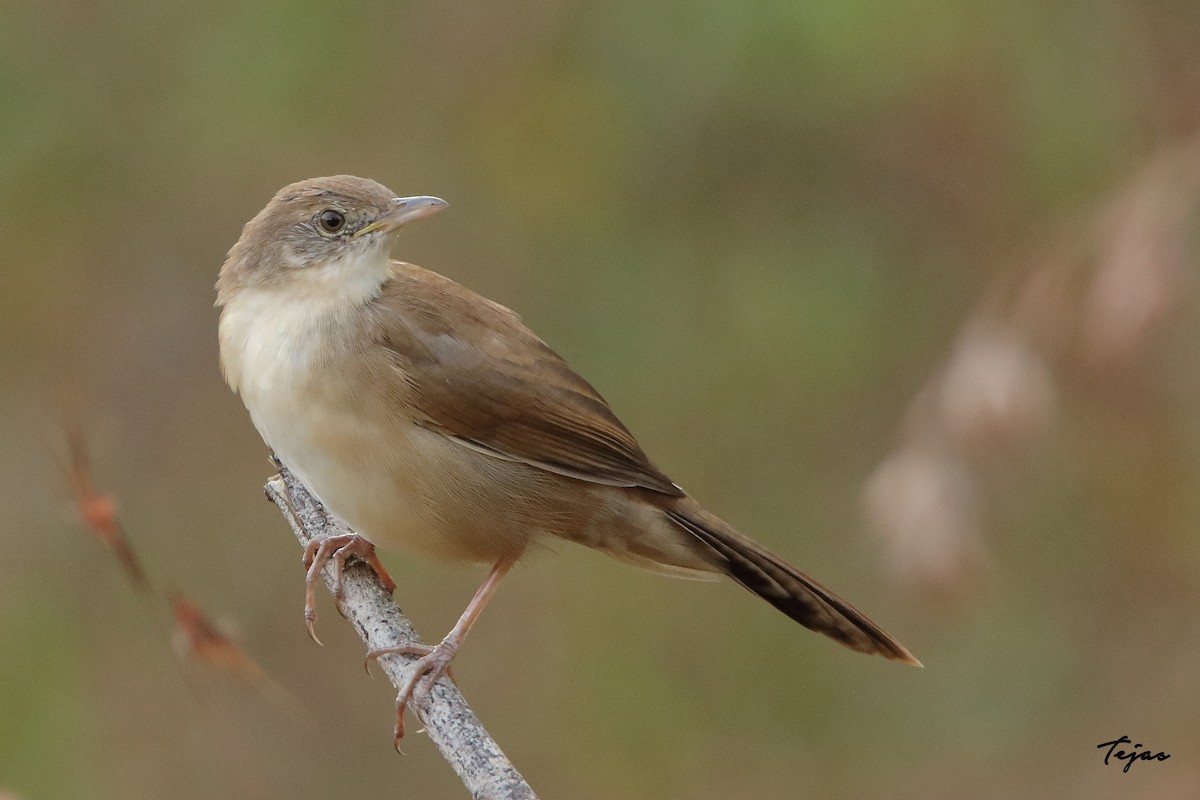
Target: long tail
[{"x": 787, "y": 588}]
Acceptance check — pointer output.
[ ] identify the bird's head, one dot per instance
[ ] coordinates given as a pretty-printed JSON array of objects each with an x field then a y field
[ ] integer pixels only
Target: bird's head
[{"x": 321, "y": 235}]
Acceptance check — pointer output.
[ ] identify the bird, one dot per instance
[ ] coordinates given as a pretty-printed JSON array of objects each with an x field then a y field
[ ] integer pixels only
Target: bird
[{"x": 430, "y": 418}]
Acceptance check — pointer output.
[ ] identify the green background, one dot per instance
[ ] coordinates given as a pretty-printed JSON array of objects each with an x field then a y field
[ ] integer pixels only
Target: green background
[{"x": 759, "y": 229}]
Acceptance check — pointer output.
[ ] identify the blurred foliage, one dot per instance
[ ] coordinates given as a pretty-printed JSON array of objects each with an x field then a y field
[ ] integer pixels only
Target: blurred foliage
[{"x": 759, "y": 229}]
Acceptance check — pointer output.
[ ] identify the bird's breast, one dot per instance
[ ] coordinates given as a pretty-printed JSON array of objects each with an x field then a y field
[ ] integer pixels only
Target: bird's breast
[{"x": 339, "y": 425}]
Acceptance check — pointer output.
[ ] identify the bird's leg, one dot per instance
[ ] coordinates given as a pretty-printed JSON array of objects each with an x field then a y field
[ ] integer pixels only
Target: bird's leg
[
  {"x": 434, "y": 661},
  {"x": 338, "y": 549}
]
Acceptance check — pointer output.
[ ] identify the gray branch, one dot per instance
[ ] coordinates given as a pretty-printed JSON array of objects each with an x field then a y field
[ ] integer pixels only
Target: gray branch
[{"x": 451, "y": 724}]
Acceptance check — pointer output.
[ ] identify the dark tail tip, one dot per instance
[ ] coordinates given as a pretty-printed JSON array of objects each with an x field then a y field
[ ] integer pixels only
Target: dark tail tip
[{"x": 793, "y": 592}]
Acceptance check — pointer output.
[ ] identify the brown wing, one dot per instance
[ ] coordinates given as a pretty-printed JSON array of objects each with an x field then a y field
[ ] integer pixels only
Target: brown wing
[{"x": 480, "y": 376}]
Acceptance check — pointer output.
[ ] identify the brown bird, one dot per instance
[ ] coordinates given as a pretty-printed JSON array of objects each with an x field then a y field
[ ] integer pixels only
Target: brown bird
[{"x": 429, "y": 417}]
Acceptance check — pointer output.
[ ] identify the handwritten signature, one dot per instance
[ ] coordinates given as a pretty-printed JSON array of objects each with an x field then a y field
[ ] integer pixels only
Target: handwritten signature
[{"x": 1129, "y": 756}]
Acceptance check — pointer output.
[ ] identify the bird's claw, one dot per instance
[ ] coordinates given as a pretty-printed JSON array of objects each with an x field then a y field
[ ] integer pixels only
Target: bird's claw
[
  {"x": 432, "y": 663},
  {"x": 310, "y": 617},
  {"x": 408, "y": 649},
  {"x": 338, "y": 548}
]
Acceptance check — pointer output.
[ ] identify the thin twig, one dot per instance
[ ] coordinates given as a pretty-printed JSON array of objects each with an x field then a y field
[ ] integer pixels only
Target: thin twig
[{"x": 451, "y": 724}]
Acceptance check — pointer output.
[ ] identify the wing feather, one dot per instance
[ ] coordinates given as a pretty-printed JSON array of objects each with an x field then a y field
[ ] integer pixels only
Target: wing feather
[{"x": 481, "y": 377}]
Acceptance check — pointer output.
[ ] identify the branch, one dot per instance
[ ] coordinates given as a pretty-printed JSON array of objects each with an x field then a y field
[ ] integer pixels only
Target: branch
[{"x": 451, "y": 724}]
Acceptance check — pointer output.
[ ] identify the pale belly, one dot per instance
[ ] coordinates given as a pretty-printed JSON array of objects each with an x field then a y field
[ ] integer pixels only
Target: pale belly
[
  {"x": 396, "y": 483},
  {"x": 402, "y": 485}
]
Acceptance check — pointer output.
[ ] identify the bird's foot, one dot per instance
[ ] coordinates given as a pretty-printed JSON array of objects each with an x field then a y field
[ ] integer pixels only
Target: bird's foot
[
  {"x": 337, "y": 549},
  {"x": 432, "y": 663}
]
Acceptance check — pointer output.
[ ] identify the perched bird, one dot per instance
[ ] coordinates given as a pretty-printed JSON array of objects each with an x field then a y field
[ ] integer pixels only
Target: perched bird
[{"x": 429, "y": 417}]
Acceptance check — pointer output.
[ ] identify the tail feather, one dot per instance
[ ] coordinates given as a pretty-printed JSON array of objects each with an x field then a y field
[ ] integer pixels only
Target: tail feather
[{"x": 790, "y": 590}]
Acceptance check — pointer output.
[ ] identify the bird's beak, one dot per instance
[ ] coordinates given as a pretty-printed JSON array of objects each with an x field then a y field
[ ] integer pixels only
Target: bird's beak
[{"x": 406, "y": 210}]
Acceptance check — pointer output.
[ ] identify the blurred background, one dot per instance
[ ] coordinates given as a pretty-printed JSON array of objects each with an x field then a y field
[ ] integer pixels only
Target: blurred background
[{"x": 905, "y": 291}]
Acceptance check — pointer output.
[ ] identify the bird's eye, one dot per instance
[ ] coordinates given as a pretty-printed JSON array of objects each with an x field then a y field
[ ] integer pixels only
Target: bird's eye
[{"x": 331, "y": 221}]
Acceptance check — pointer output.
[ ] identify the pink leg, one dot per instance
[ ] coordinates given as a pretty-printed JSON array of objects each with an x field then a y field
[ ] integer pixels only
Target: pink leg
[
  {"x": 434, "y": 661},
  {"x": 338, "y": 548}
]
